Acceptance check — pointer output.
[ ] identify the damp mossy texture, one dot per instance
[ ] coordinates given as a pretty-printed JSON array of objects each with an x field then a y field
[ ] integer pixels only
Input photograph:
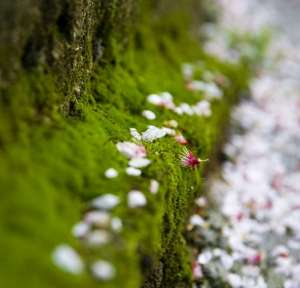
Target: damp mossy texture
[{"x": 74, "y": 77}]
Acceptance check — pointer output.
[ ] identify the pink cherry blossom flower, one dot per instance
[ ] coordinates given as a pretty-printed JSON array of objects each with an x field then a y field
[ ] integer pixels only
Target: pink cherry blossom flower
[{"x": 188, "y": 159}]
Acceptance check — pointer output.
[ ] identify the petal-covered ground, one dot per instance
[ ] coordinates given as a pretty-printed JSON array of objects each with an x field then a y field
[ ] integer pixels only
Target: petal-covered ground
[{"x": 252, "y": 237}]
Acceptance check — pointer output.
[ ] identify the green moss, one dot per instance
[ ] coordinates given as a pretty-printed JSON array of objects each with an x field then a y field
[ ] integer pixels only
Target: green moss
[{"x": 53, "y": 158}]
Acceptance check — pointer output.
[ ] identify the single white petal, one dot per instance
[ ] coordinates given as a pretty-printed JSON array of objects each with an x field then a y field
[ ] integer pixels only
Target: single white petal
[
  {"x": 169, "y": 131},
  {"x": 111, "y": 173},
  {"x": 135, "y": 134},
  {"x": 97, "y": 238},
  {"x": 133, "y": 171},
  {"x": 234, "y": 279},
  {"x": 154, "y": 99},
  {"x": 205, "y": 257},
  {"x": 66, "y": 258},
  {"x": 139, "y": 162},
  {"x": 105, "y": 202},
  {"x": 149, "y": 114},
  {"x": 103, "y": 270},
  {"x": 131, "y": 150},
  {"x": 197, "y": 220},
  {"x": 80, "y": 229},
  {"x": 97, "y": 218},
  {"x": 136, "y": 199},
  {"x": 154, "y": 186},
  {"x": 153, "y": 133},
  {"x": 116, "y": 224}
]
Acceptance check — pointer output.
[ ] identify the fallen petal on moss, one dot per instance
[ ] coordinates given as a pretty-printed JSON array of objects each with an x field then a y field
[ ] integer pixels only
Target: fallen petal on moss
[
  {"x": 154, "y": 186},
  {"x": 105, "y": 202},
  {"x": 66, "y": 258},
  {"x": 131, "y": 150},
  {"x": 149, "y": 114},
  {"x": 103, "y": 270},
  {"x": 136, "y": 199},
  {"x": 131, "y": 171},
  {"x": 111, "y": 173},
  {"x": 139, "y": 162}
]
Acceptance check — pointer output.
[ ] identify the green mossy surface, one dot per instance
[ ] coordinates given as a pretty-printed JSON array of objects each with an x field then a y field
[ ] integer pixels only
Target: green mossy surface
[{"x": 53, "y": 158}]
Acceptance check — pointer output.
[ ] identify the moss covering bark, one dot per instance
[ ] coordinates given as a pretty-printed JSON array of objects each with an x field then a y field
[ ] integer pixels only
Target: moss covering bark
[{"x": 74, "y": 79}]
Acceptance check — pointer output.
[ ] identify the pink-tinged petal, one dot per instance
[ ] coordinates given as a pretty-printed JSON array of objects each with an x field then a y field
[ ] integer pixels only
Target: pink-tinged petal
[
  {"x": 255, "y": 259},
  {"x": 197, "y": 270},
  {"x": 131, "y": 150},
  {"x": 180, "y": 139}
]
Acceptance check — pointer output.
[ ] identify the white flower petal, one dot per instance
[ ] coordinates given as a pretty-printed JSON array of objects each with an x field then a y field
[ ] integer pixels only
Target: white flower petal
[
  {"x": 149, "y": 114},
  {"x": 106, "y": 201},
  {"x": 205, "y": 257},
  {"x": 197, "y": 220},
  {"x": 116, "y": 224},
  {"x": 154, "y": 186},
  {"x": 136, "y": 199},
  {"x": 103, "y": 270},
  {"x": 66, "y": 258},
  {"x": 135, "y": 134},
  {"x": 131, "y": 150},
  {"x": 153, "y": 133},
  {"x": 80, "y": 229},
  {"x": 97, "y": 238},
  {"x": 97, "y": 218},
  {"x": 139, "y": 162},
  {"x": 111, "y": 173},
  {"x": 133, "y": 171}
]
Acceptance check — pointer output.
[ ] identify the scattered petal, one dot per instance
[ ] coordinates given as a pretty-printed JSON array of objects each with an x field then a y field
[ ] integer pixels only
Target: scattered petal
[
  {"x": 111, "y": 173},
  {"x": 154, "y": 186},
  {"x": 202, "y": 108},
  {"x": 80, "y": 229},
  {"x": 131, "y": 171},
  {"x": 139, "y": 162},
  {"x": 116, "y": 224},
  {"x": 171, "y": 123},
  {"x": 201, "y": 202},
  {"x": 131, "y": 150},
  {"x": 149, "y": 114},
  {"x": 169, "y": 131},
  {"x": 97, "y": 238},
  {"x": 66, "y": 258},
  {"x": 97, "y": 218},
  {"x": 153, "y": 133},
  {"x": 180, "y": 139},
  {"x": 105, "y": 202},
  {"x": 205, "y": 257},
  {"x": 197, "y": 220},
  {"x": 136, "y": 199},
  {"x": 135, "y": 134},
  {"x": 103, "y": 270}
]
